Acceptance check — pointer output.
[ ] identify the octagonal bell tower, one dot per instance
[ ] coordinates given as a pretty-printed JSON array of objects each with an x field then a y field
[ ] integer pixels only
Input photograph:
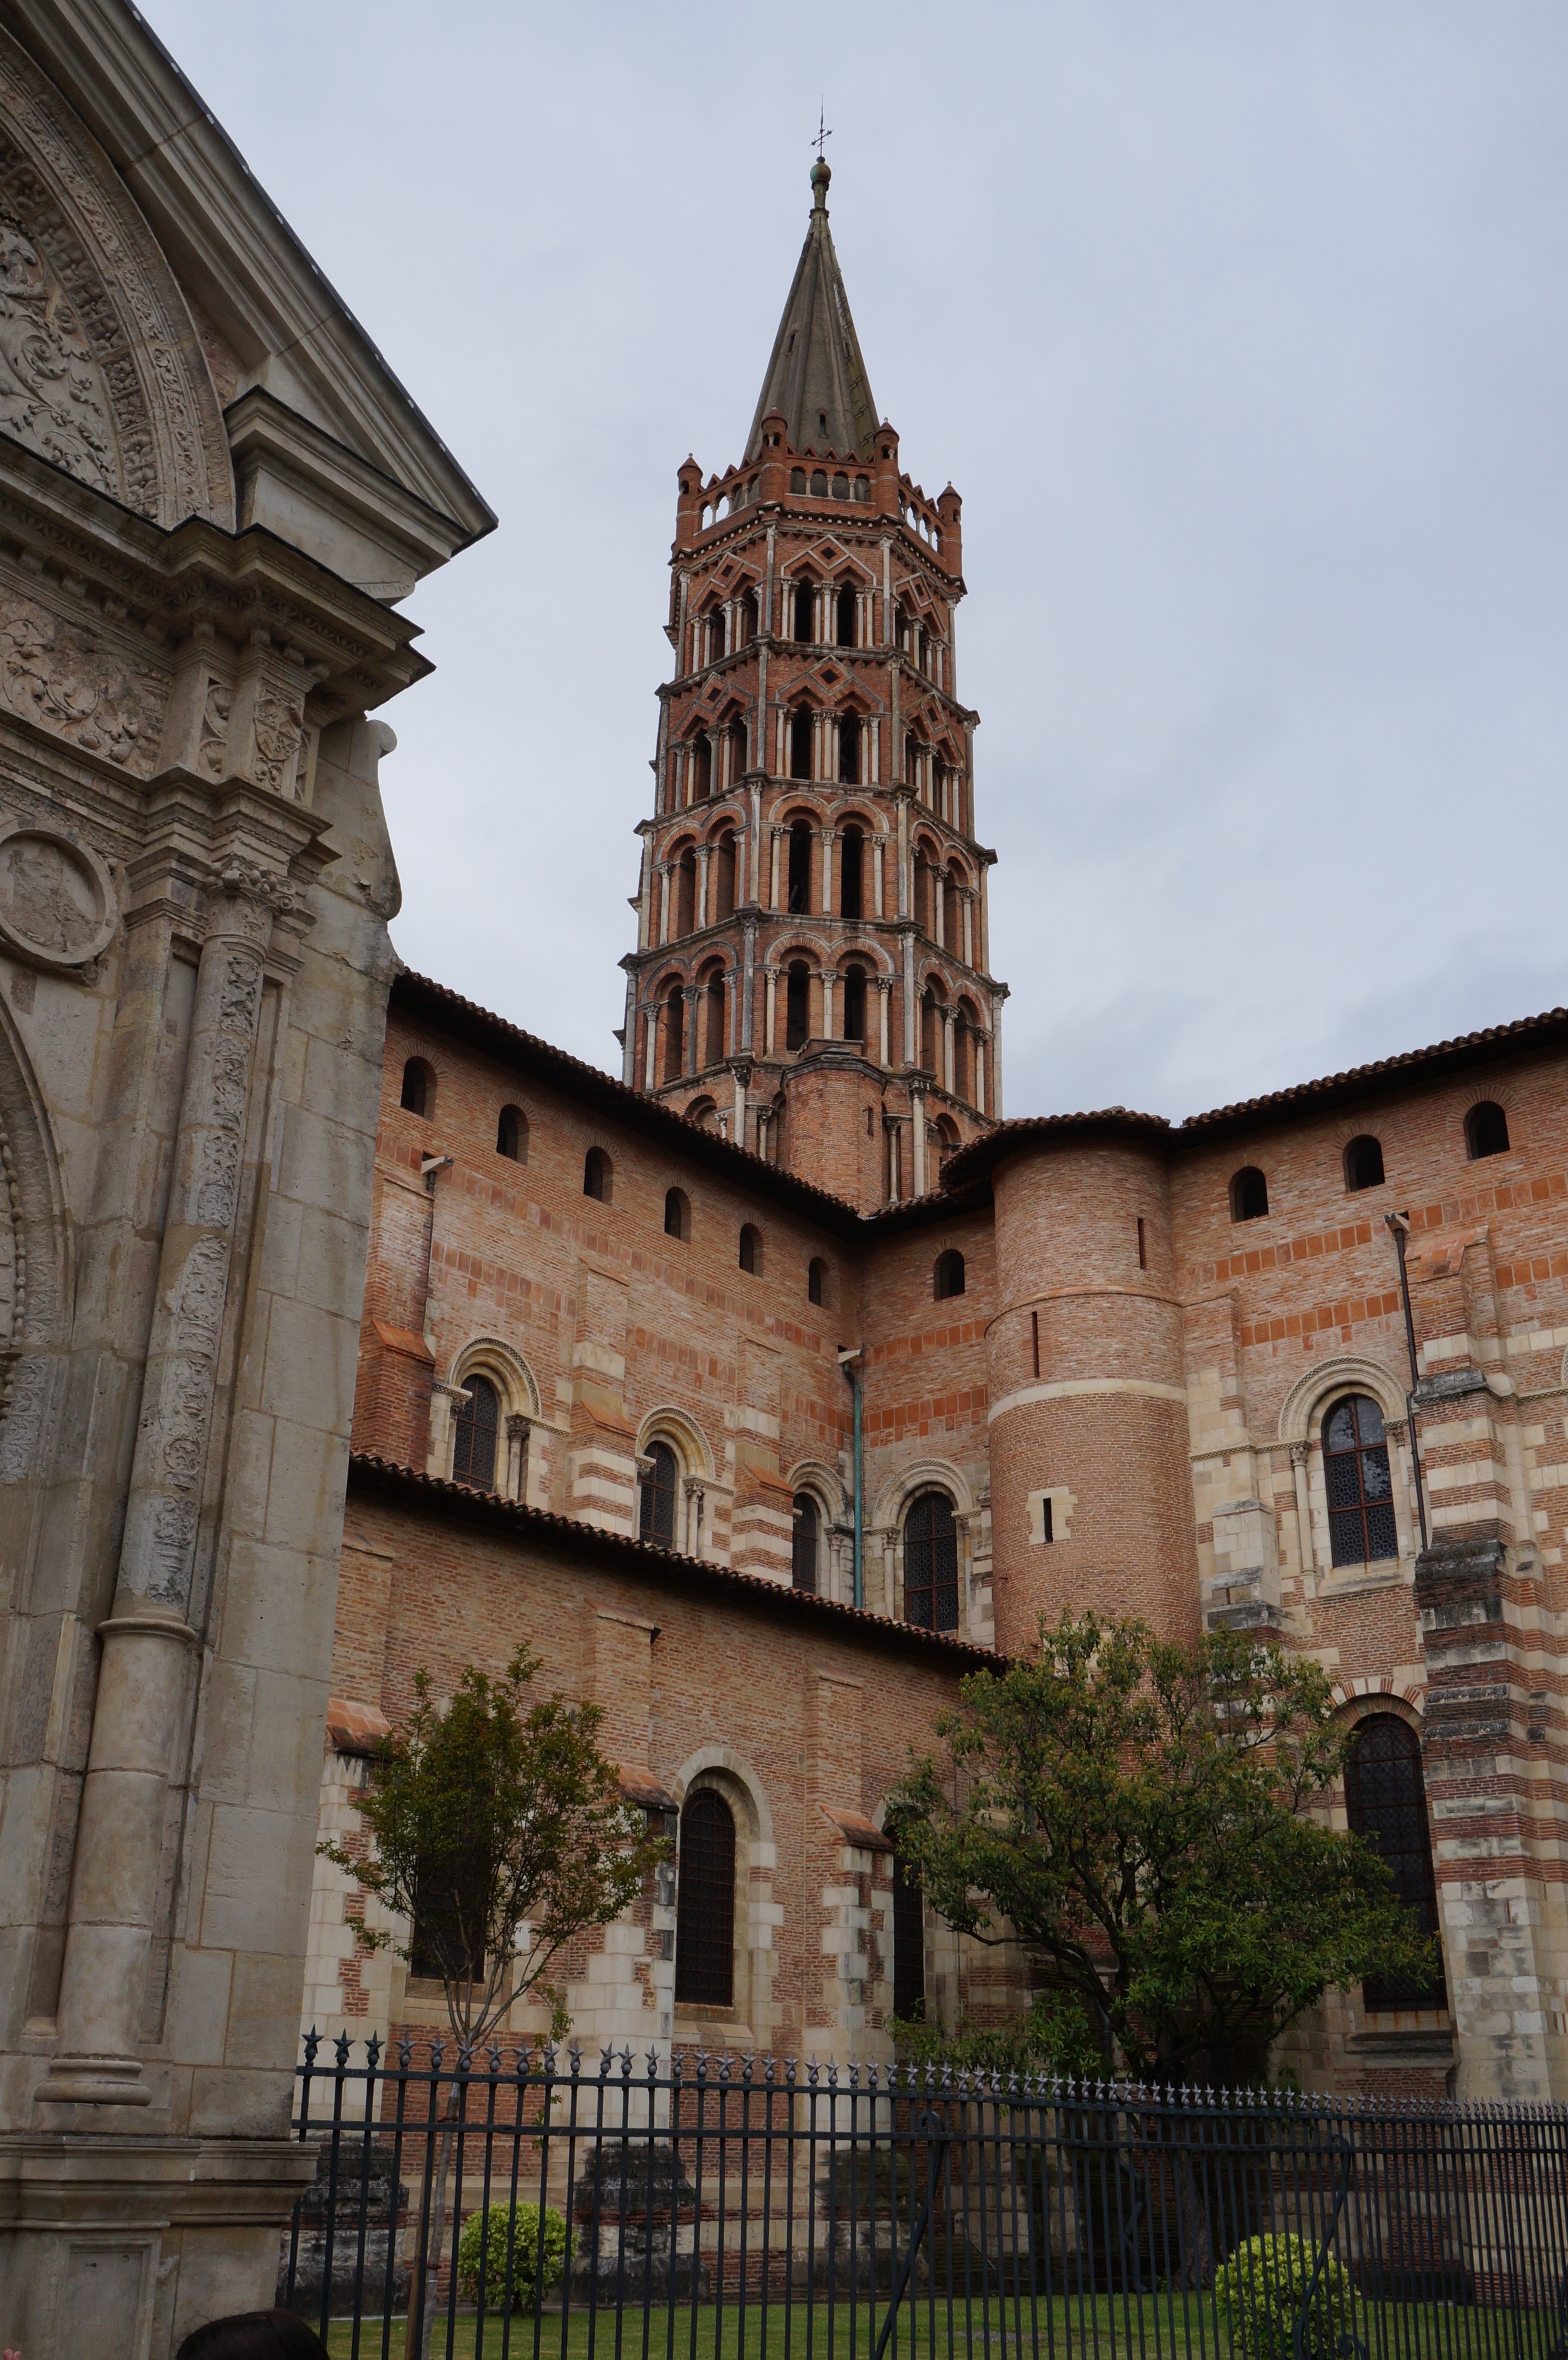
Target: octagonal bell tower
[{"x": 812, "y": 972}]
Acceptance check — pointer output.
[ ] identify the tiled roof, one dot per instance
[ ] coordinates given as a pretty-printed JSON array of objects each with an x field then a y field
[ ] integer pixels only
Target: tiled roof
[{"x": 439, "y": 1496}]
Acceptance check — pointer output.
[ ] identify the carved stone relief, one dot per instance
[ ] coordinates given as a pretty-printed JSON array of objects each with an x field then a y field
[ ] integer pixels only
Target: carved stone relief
[
  {"x": 57, "y": 901},
  {"x": 65, "y": 676},
  {"x": 101, "y": 370}
]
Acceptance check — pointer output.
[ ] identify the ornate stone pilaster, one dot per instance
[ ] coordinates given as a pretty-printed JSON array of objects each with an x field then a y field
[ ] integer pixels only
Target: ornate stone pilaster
[{"x": 148, "y": 1646}]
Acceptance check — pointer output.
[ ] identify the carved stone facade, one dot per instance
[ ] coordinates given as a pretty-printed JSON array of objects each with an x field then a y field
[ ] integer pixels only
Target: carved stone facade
[{"x": 195, "y": 881}]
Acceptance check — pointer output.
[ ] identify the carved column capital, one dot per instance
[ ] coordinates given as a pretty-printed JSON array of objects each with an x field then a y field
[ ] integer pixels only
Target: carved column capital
[{"x": 1300, "y": 1453}]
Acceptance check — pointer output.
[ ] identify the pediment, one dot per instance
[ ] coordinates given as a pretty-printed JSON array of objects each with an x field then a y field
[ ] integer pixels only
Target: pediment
[{"x": 101, "y": 370}]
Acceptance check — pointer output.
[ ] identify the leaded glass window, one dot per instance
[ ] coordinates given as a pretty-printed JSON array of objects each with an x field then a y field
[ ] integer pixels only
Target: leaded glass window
[
  {"x": 474, "y": 1430},
  {"x": 1360, "y": 1486},
  {"x": 1385, "y": 1797},
  {"x": 931, "y": 1563},
  {"x": 704, "y": 1903}
]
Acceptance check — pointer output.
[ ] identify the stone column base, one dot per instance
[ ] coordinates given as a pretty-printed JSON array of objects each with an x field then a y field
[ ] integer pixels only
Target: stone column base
[{"x": 117, "y": 2246}]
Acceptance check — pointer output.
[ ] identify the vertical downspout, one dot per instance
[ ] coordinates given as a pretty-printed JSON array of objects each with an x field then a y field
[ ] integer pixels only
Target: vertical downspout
[
  {"x": 1400, "y": 1225},
  {"x": 846, "y": 1362}
]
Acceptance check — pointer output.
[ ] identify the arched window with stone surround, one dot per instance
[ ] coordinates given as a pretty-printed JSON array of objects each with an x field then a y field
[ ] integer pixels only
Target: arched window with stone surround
[
  {"x": 931, "y": 1033},
  {"x": 931, "y": 1563},
  {"x": 658, "y": 1493},
  {"x": 722, "y": 879},
  {"x": 1385, "y": 1801},
  {"x": 686, "y": 891},
  {"x": 419, "y": 1094},
  {"x": 1359, "y": 1482},
  {"x": 713, "y": 1013},
  {"x": 476, "y": 1429},
  {"x": 798, "y": 897},
  {"x": 805, "y": 1542},
  {"x": 705, "y": 1903}
]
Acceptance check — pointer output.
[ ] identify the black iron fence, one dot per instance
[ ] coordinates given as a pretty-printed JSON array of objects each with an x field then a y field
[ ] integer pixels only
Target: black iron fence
[{"x": 747, "y": 2209}]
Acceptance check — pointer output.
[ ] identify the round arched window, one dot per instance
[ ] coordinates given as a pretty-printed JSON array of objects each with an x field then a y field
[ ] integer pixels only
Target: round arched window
[
  {"x": 1385, "y": 1799},
  {"x": 807, "y": 1541},
  {"x": 1360, "y": 1485},
  {"x": 474, "y": 1430},
  {"x": 419, "y": 1092},
  {"x": 931, "y": 1563},
  {"x": 948, "y": 1276}
]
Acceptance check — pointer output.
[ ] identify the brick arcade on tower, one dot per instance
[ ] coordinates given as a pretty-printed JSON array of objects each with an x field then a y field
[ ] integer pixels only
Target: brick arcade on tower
[{"x": 615, "y": 1334}]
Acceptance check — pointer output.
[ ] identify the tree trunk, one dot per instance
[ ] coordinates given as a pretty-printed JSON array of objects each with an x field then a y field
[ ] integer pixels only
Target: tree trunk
[{"x": 424, "y": 2287}]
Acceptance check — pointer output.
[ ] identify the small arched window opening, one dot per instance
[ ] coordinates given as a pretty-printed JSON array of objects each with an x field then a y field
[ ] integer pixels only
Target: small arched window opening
[
  {"x": 931, "y": 1563},
  {"x": 948, "y": 1276},
  {"x": 963, "y": 1077},
  {"x": 597, "y": 1179},
  {"x": 843, "y": 616},
  {"x": 803, "y": 619},
  {"x": 746, "y": 616},
  {"x": 908, "y": 1943},
  {"x": 851, "y": 874},
  {"x": 419, "y": 1089},
  {"x": 1385, "y": 1801},
  {"x": 923, "y": 897},
  {"x": 512, "y": 1134},
  {"x": 1486, "y": 1130},
  {"x": 1364, "y": 1163},
  {"x": 1359, "y": 1482},
  {"x": 686, "y": 892},
  {"x": 704, "y": 1903},
  {"x": 849, "y": 750},
  {"x": 931, "y": 1034},
  {"x": 801, "y": 865},
  {"x": 797, "y": 1005},
  {"x": 475, "y": 1429},
  {"x": 1248, "y": 1195},
  {"x": 801, "y": 745},
  {"x": 677, "y": 1214},
  {"x": 952, "y": 914},
  {"x": 674, "y": 1034},
  {"x": 816, "y": 1279},
  {"x": 805, "y": 1542},
  {"x": 737, "y": 752},
  {"x": 855, "y": 1003},
  {"x": 722, "y": 879},
  {"x": 797, "y": 480},
  {"x": 714, "y": 1005},
  {"x": 716, "y": 636},
  {"x": 751, "y": 1248},
  {"x": 660, "y": 1485},
  {"x": 704, "y": 750}
]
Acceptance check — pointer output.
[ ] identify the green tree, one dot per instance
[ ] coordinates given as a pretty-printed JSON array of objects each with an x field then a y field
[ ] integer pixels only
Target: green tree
[
  {"x": 498, "y": 1829},
  {"x": 1148, "y": 1819}
]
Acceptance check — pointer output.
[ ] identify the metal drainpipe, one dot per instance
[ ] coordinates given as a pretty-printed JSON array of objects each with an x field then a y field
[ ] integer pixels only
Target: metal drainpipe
[
  {"x": 1399, "y": 1223},
  {"x": 846, "y": 1362}
]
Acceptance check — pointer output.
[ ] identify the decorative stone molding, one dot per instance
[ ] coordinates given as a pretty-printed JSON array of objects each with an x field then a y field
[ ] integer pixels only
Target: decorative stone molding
[{"x": 57, "y": 905}]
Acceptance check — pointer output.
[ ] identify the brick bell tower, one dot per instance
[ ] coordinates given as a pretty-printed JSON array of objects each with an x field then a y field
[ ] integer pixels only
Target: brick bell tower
[{"x": 811, "y": 974}]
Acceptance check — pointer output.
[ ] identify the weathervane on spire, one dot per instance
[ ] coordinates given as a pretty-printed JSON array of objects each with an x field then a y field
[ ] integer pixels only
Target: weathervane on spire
[{"x": 823, "y": 134}]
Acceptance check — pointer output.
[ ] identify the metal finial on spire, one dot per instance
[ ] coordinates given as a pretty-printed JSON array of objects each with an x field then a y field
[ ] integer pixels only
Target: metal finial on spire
[{"x": 823, "y": 134}]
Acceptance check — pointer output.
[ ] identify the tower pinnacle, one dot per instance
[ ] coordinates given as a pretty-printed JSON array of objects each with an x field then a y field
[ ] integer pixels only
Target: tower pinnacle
[{"x": 816, "y": 377}]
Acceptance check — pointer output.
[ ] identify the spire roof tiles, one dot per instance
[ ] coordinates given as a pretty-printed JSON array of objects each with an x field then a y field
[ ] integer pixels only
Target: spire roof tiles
[{"x": 816, "y": 377}]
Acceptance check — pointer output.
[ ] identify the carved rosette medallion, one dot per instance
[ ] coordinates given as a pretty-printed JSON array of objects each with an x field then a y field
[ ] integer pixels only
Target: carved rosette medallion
[{"x": 58, "y": 908}]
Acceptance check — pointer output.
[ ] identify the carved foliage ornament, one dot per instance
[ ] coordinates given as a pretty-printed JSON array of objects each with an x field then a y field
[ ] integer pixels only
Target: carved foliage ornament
[
  {"x": 101, "y": 367},
  {"x": 66, "y": 677},
  {"x": 57, "y": 904}
]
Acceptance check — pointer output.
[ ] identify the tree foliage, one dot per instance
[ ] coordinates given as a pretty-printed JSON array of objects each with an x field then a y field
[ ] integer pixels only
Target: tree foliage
[
  {"x": 1148, "y": 1820},
  {"x": 498, "y": 1824}
]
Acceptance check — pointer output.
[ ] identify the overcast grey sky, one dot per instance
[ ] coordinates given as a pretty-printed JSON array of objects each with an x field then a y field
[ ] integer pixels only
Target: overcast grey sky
[{"x": 1241, "y": 332}]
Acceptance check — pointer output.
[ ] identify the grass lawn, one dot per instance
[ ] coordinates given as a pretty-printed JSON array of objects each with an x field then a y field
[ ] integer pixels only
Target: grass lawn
[{"x": 1149, "y": 2327}]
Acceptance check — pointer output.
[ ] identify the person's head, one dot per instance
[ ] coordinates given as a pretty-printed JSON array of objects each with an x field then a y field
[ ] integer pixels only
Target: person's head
[{"x": 253, "y": 2335}]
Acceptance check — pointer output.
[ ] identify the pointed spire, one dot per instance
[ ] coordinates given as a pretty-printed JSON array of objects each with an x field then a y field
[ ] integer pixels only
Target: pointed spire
[{"x": 816, "y": 377}]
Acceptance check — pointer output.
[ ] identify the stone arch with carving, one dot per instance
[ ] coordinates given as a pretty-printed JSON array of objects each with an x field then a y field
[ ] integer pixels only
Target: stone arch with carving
[
  {"x": 887, "y": 1522},
  {"x": 683, "y": 1434},
  {"x": 516, "y": 1474},
  {"x": 1347, "y": 1372},
  {"x": 1300, "y": 1426},
  {"x": 101, "y": 370},
  {"x": 34, "y": 1265}
]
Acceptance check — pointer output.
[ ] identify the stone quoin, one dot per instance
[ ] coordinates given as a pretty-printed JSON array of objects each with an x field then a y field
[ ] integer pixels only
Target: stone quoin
[{"x": 765, "y": 1388}]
